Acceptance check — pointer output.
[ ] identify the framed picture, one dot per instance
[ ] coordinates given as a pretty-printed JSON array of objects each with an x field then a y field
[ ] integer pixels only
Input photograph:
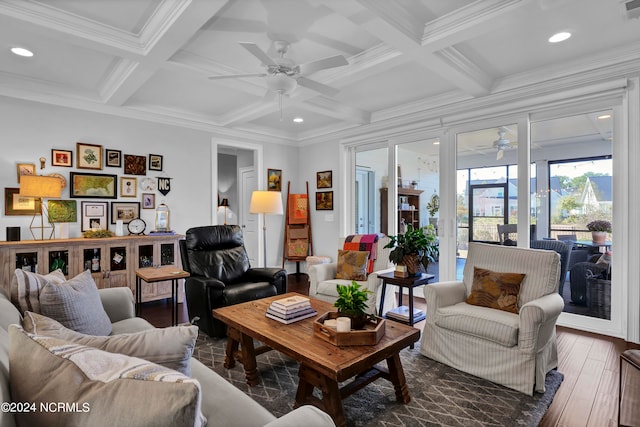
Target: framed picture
[
  {"x": 94, "y": 215},
  {"x": 274, "y": 179},
  {"x": 135, "y": 165},
  {"x": 113, "y": 158},
  {"x": 62, "y": 210},
  {"x": 125, "y": 211},
  {"x": 26, "y": 169},
  {"x": 148, "y": 201},
  {"x": 15, "y": 204},
  {"x": 128, "y": 187},
  {"x": 324, "y": 200},
  {"x": 61, "y": 158},
  {"x": 155, "y": 162},
  {"x": 93, "y": 185},
  {"x": 324, "y": 179},
  {"x": 88, "y": 156}
]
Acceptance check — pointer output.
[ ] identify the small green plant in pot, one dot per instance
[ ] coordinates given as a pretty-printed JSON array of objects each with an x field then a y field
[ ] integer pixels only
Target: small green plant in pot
[
  {"x": 352, "y": 303},
  {"x": 414, "y": 249}
]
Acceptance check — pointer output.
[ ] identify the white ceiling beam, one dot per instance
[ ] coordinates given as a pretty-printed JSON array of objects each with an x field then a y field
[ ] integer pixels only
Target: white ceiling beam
[{"x": 167, "y": 41}]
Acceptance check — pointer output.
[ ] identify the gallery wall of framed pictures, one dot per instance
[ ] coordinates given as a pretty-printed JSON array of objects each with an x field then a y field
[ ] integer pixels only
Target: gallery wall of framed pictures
[
  {"x": 94, "y": 175},
  {"x": 324, "y": 199}
]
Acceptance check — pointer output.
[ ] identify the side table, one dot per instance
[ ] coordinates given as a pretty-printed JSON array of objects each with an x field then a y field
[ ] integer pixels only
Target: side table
[
  {"x": 403, "y": 282},
  {"x": 160, "y": 274}
]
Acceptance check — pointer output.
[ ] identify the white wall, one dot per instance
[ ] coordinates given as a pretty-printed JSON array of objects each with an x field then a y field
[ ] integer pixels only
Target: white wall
[{"x": 30, "y": 130}]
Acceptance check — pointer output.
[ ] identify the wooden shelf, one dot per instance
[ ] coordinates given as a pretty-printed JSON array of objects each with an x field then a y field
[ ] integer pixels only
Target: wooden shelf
[{"x": 411, "y": 217}]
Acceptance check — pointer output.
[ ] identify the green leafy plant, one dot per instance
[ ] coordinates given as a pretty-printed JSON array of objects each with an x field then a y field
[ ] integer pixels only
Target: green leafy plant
[
  {"x": 433, "y": 205},
  {"x": 419, "y": 242},
  {"x": 352, "y": 300},
  {"x": 599, "y": 225}
]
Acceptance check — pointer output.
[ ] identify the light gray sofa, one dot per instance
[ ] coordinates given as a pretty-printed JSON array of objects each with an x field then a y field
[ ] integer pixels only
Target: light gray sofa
[{"x": 222, "y": 403}]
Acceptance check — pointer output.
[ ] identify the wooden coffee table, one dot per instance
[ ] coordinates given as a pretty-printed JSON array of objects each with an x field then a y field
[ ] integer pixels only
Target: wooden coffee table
[{"x": 322, "y": 365}]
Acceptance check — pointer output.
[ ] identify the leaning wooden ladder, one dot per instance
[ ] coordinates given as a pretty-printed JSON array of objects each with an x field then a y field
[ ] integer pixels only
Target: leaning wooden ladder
[{"x": 298, "y": 241}]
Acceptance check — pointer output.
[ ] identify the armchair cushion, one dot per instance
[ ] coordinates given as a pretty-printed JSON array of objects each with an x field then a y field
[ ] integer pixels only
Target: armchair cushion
[
  {"x": 352, "y": 265},
  {"x": 498, "y": 326},
  {"x": 495, "y": 290}
]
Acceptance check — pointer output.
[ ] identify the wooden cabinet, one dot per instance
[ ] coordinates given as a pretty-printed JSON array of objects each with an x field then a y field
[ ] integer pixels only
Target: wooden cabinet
[
  {"x": 407, "y": 198},
  {"x": 112, "y": 261}
]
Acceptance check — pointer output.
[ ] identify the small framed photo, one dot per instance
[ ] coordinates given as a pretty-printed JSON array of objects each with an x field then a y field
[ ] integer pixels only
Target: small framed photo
[
  {"x": 324, "y": 200},
  {"x": 62, "y": 210},
  {"x": 274, "y": 179},
  {"x": 155, "y": 162},
  {"x": 88, "y": 156},
  {"x": 125, "y": 211},
  {"x": 62, "y": 158},
  {"x": 148, "y": 201},
  {"x": 94, "y": 215},
  {"x": 26, "y": 169},
  {"x": 135, "y": 165},
  {"x": 324, "y": 179},
  {"x": 113, "y": 158},
  {"x": 15, "y": 204},
  {"x": 128, "y": 187}
]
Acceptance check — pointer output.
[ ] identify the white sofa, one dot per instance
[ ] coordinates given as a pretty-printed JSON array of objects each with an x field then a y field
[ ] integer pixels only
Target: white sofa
[
  {"x": 515, "y": 350},
  {"x": 222, "y": 403},
  {"x": 322, "y": 279}
]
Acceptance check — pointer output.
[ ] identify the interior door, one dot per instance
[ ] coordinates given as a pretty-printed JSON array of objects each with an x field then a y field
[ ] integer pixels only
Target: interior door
[
  {"x": 364, "y": 201},
  {"x": 248, "y": 221},
  {"x": 487, "y": 210}
]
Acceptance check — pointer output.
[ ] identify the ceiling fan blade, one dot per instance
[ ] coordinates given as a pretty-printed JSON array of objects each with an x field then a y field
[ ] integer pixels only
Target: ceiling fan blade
[
  {"x": 322, "y": 64},
  {"x": 258, "y": 53},
  {"x": 317, "y": 86},
  {"x": 236, "y": 76}
]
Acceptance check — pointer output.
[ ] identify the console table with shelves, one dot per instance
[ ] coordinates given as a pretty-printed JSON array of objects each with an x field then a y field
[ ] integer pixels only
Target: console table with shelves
[
  {"x": 113, "y": 261},
  {"x": 407, "y": 197}
]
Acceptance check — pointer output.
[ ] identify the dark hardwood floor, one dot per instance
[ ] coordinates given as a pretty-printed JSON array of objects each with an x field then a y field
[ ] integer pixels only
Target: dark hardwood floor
[{"x": 588, "y": 395}]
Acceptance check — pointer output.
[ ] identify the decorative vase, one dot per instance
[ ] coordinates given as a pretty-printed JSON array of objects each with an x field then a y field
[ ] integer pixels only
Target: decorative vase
[
  {"x": 413, "y": 264},
  {"x": 599, "y": 236}
]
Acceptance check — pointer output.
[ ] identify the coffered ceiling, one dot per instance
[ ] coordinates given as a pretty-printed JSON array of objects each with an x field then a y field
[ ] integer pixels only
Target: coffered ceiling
[{"x": 152, "y": 59}]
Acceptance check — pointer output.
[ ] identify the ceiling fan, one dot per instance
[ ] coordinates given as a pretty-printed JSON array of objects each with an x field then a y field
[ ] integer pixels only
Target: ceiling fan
[
  {"x": 283, "y": 75},
  {"x": 502, "y": 144}
]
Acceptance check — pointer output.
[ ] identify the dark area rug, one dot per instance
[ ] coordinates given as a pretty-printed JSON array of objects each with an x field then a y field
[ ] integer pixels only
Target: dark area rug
[{"x": 440, "y": 395}]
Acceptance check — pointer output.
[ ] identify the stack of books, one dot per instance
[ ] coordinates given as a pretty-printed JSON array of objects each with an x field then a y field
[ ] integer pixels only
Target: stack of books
[
  {"x": 402, "y": 314},
  {"x": 290, "y": 309}
]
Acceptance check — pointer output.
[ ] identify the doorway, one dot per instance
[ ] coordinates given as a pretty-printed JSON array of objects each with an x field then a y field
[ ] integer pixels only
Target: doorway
[{"x": 365, "y": 195}]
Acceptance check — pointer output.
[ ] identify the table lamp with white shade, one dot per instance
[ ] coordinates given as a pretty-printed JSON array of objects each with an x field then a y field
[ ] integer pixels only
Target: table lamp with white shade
[
  {"x": 266, "y": 203},
  {"x": 40, "y": 187}
]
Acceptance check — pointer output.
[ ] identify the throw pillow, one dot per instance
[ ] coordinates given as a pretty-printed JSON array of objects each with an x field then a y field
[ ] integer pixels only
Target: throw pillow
[
  {"x": 76, "y": 304},
  {"x": 170, "y": 347},
  {"x": 95, "y": 387},
  {"x": 26, "y": 286},
  {"x": 352, "y": 265},
  {"x": 495, "y": 290}
]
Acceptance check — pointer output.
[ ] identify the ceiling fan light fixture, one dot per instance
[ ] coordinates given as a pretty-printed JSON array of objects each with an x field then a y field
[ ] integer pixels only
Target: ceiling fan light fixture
[
  {"x": 281, "y": 83},
  {"x": 298, "y": 120}
]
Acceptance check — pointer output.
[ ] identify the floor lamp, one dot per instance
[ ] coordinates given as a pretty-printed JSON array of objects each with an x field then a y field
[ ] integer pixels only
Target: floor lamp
[
  {"x": 266, "y": 203},
  {"x": 40, "y": 187},
  {"x": 224, "y": 204}
]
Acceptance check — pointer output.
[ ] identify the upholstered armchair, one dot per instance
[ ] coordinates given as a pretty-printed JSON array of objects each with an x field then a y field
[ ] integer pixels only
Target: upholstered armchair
[
  {"x": 322, "y": 278},
  {"x": 515, "y": 350},
  {"x": 221, "y": 275}
]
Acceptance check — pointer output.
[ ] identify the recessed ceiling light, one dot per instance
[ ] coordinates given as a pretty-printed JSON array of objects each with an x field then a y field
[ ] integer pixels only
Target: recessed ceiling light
[
  {"x": 298, "y": 120},
  {"x": 559, "y": 37},
  {"x": 436, "y": 142},
  {"x": 604, "y": 116},
  {"x": 20, "y": 51}
]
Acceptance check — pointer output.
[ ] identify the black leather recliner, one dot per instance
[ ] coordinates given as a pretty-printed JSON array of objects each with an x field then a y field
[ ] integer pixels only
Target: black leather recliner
[{"x": 221, "y": 275}]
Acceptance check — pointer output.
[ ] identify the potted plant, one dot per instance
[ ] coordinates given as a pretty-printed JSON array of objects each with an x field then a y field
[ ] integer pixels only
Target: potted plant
[
  {"x": 599, "y": 229},
  {"x": 414, "y": 249},
  {"x": 433, "y": 205},
  {"x": 352, "y": 303}
]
